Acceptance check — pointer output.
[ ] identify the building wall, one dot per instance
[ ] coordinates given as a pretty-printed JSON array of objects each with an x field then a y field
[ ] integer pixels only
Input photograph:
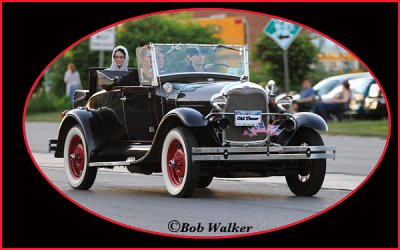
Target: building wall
[{"x": 255, "y": 23}]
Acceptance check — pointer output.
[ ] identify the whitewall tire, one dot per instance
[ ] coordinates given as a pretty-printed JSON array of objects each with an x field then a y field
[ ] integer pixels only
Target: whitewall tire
[
  {"x": 180, "y": 173},
  {"x": 76, "y": 160}
]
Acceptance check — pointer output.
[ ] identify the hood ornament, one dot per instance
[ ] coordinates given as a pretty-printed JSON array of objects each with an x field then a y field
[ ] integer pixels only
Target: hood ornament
[{"x": 246, "y": 88}]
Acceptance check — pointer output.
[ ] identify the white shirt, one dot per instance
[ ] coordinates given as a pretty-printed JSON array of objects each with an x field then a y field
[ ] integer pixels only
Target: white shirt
[{"x": 72, "y": 79}]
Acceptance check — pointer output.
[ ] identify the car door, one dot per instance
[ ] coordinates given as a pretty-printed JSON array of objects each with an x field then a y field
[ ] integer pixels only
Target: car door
[
  {"x": 140, "y": 115},
  {"x": 108, "y": 104}
]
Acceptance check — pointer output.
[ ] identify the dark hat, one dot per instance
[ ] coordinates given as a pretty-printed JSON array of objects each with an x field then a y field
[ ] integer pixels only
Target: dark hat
[{"x": 196, "y": 50}]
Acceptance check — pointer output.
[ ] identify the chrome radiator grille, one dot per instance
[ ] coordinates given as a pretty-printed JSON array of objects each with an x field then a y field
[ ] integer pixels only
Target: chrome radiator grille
[{"x": 242, "y": 101}]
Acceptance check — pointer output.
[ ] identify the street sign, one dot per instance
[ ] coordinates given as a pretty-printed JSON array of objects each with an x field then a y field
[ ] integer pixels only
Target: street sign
[
  {"x": 103, "y": 41},
  {"x": 283, "y": 33}
]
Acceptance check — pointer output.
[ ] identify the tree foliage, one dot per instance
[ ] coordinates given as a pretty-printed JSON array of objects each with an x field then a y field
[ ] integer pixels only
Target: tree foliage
[
  {"x": 162, "y": 29},
  {"x": 301, "y": 55}
]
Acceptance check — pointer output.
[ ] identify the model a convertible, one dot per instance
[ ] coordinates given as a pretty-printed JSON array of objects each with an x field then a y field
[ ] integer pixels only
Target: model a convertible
[{"x": 190, "y": 112}]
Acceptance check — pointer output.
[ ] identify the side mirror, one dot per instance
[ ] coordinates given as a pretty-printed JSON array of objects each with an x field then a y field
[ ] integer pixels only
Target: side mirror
[{"x": 270, "y": 87}]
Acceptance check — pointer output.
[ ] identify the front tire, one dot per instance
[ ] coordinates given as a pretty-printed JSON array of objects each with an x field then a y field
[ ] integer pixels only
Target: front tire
[
  {"x": 180, "y": 173},
  {"x": 312, "y": 174},
  {"x": 76, "y": 161}
]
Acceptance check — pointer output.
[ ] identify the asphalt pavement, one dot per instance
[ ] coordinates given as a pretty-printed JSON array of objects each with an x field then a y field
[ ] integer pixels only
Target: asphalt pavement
[{"x": 252, "y": 204}]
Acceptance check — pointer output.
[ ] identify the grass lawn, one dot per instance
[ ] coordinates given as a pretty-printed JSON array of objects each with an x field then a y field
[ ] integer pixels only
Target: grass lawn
[
  {"x": 377, "y": 128},
  {"x": 44, "y": 117},
  {"x": 359, "y": 128}
]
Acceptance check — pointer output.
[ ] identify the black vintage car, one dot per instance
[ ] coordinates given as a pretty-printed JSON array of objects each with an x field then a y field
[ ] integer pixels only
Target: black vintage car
[{"x": 190, "y": 112}]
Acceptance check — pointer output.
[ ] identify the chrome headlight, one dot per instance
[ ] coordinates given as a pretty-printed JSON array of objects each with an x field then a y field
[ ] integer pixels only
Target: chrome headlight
[
  {"x": 284, "y": 102},
  {"x": 167, "y": 87},
  {"x": 218, "y": 101}
]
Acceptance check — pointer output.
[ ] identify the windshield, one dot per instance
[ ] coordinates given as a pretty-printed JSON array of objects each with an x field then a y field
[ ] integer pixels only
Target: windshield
[{"x": 192, "y": 58}]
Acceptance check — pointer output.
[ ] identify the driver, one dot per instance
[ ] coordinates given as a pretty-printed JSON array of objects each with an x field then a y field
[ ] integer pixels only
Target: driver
[{"x": 195, "y": 59}]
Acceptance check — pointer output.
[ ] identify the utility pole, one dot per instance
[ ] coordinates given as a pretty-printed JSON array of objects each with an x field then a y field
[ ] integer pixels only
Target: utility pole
[
  {"x": 283, "y": 33},
  {"x": 286, "y": 69},
  {"x": 101, "y": 58}
]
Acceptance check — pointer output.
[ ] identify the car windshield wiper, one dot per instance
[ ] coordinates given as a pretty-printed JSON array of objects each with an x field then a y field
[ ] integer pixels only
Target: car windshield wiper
[
  {"x": 173, "y": 48},
  {"x": 228, "y": 47}
]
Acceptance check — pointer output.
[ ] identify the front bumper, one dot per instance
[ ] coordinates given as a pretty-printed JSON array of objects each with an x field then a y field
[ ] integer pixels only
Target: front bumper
[{"x": 262, "y": 153}]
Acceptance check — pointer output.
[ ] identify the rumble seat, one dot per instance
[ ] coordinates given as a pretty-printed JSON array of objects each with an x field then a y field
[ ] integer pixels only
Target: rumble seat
[{"x": 131, "y": 79}]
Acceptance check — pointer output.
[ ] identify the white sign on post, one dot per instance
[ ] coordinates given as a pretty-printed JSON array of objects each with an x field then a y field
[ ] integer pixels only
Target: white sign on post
[
  {"x": 283, "y": 33},
  {"x": 103, "y": 41}
]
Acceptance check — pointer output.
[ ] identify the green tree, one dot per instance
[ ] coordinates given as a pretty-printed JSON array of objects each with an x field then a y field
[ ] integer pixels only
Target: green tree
[
  {"x": 162, "y": 29},
  {"x": 301, "y": 55}
]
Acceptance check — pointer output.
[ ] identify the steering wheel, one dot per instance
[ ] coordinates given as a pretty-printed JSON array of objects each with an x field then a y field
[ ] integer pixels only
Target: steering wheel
[
  {"x": 221, "y": 64},
  {"x": 214, "y": 67}
]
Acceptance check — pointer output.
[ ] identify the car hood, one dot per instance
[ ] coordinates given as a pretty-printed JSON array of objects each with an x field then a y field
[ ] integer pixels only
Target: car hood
[{"x": 201, "y": 92}]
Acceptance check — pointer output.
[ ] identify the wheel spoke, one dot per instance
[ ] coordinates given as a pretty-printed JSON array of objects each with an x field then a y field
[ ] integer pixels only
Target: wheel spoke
[
  {"x": 176, "y": 162},
  {"x": 76, "y": 158}
]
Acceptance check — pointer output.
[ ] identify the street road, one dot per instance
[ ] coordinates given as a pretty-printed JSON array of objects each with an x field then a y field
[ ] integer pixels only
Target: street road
[{"x": 240, "y": 205}]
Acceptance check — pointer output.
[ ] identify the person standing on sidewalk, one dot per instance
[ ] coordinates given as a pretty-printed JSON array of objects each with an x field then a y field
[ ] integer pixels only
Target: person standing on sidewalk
[{"x": 72, "y": 80}]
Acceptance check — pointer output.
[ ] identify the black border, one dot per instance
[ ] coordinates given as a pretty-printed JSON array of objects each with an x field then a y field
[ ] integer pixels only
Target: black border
[{"x": 35, "y": 215}]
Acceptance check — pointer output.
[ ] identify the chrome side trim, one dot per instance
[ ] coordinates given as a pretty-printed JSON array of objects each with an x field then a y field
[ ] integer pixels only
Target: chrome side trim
[{"x": 112, "y": 163}]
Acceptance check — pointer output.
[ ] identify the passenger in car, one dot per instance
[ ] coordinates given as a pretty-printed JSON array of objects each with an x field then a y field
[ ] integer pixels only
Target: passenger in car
[
  {"x": 335, "y": 105},
  {"x": 144, "y": 64},
  {"x": 119, "y": 59},
  {"x": 160, "y": 61}
]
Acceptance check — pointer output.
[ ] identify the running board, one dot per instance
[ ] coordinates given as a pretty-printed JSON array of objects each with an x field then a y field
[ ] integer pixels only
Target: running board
[{"x": 128, "y": 162}]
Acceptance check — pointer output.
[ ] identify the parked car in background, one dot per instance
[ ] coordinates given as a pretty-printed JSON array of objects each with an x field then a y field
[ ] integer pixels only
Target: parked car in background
[
  {"x": 366, "y": 98},
  {"x": 324, "y": 86}
]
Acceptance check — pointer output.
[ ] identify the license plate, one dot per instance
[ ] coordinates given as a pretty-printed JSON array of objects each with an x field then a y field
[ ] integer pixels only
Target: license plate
[{"x": 247, "y": 118}]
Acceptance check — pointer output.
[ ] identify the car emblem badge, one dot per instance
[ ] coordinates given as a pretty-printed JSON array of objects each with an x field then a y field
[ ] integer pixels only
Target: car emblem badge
[{"x": 246, "y": 88}]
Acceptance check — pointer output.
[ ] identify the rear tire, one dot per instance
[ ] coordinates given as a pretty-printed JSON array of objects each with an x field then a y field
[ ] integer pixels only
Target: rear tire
[
  {"x": 180, "y": 173},
  {"x": 309, "y": 180},
  {"x": 76, "y": 160},
  {"x": 205, "y": 181}
]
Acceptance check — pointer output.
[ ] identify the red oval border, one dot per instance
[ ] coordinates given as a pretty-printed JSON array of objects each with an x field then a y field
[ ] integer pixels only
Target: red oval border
[{"x": 206, "y": 237}]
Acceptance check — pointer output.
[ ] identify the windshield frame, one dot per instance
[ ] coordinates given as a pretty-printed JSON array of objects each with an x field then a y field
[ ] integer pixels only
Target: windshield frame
[{"x": 158, "y": 76}]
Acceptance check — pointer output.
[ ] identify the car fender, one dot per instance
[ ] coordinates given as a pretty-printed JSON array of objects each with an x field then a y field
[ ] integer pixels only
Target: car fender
[
  {"x": 311, "y": 120},
  {"x": 92, "y": 127},
  {"x": 188, "y": 116},
  {"x": 178, "y": 117},
  {"x": 303, "y": 120}
]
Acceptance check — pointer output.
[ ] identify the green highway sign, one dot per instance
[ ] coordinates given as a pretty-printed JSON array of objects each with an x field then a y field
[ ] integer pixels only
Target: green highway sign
[{"x": 283, "y": 33}]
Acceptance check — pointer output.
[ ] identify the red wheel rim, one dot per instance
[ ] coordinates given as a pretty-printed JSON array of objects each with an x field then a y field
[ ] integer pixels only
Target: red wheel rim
[
  {"x": 76, "y": 157},
  {"x": 176, "y": 165}
]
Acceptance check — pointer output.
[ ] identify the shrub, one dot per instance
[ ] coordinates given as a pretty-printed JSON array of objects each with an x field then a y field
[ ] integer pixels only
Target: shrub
[{"x": 46, "y": 102}]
